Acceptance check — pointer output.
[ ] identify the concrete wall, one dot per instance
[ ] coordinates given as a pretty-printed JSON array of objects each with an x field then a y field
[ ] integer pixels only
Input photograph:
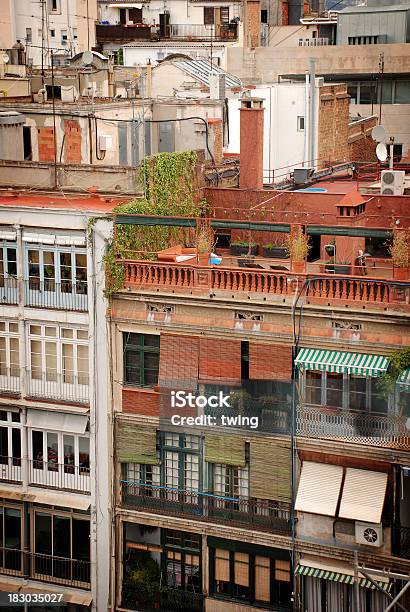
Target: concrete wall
[
  {"x": 13, "y": 87},
  {"x": 7, "y": 24},
  {"x": 288, "y": 36},
  {"x": 11, "y": 141},
  {"x": 140, "y": 55},
  {"x": 273, "y": 61},
  {"x": 387, "y": 22},
  {"x": 395, "y": 118}
]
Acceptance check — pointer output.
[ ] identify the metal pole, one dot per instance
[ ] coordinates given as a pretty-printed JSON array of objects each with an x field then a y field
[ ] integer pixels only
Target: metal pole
[
  {"x": 378, "y": 587},
  {"x": 356, "y": 584},
  {"x": 381, "y": 73},
  {"x": 54, "y": 121},
  {"x": 312, "y": 109},
  {"x": 398, "y": 596}
]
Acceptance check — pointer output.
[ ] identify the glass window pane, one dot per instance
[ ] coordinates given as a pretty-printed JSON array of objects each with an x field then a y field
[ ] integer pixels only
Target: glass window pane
[
  {"x": 82, "y": 364},
  {"x": 357, "y": 393},
  {"x": 51, "y": 332},
  {"x": 334, "y": 389},
  {"x": 82, "y": 334},
  {"x": 62, "y": 537},
  {"x": 4, "y": 445},
  {"x": 84, "y": 455},
  {"x": 52, "y": 452},
  {"x": 67, "y": 333},
  {"x": 11, "y": 261},
  {"x": 16, "y": 446},
  {"x": 13, "y": 328},
  {"x": 386, "y": 91},
  {"x": 69, "y": 459},
  {"x": 368, "y": 91},
  {"x": 34, "y": 269},
  {"x": 81, "y": 540},
  {"x": 81, "y": 273},
  {"x": 68, "y": 363},
  {"x": 37, "y": 449},
  {"x": 36, "y": 359},
  {"x": 42, "y": 533},
  {"x": 66, "y": 272},
  {"x": 14, "y": 357},
  {"x": 313, "y": 387},
  {"x": 3, "y": 356},
  {"x": 48, "y": 271},
  {"x": 12, "y": 528},
  {"x": 51, "y": 361},
  {"x": 35, "y": 330},
  {"x": 402, "y": 92},
  {"x": 378, "y": 400}
]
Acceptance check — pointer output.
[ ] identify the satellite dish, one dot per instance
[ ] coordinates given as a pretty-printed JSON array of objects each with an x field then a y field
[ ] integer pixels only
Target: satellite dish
[
  {"x": 379, "y": 133},
  {"x": 381, "y": 152},
  {"x": 5, "y": 58},
  {"x": 87, "y": 58}
]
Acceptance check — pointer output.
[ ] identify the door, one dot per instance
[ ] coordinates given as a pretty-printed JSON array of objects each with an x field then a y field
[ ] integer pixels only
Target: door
[
  {"x": 123, "y": 144},
  {"x": 135, "y": 15},
  {"x": 164, "y": 25},
  {"x": 28, "y": 152},
  {"x": 166, "y": 138}
]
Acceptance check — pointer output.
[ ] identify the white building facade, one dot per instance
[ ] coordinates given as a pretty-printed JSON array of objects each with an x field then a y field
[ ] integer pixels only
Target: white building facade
[{"x": 53, "y": 404}]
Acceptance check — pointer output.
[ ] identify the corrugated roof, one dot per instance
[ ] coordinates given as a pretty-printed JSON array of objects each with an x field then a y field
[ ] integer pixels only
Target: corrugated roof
[{"x": 201, "y": 69}]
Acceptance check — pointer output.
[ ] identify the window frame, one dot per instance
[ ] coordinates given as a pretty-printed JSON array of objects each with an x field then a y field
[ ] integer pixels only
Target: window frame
[
  {"x": 178, "y": 454},
  {"x": 12, "y": 373},
  {"x": 141, "y": 349},
  {"x": 184, "y": 550},
  {"x": 74, "y": 286},
  {"x": 61, "y": 463},
  {"x": 6, "y": 551},
  {"x": 11, "y": 426}
]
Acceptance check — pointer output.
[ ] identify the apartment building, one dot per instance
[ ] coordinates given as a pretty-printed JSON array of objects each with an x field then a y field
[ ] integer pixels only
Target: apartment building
[
  {"x": 295, "y": 496},
  {"x": 53, "y": 414}
]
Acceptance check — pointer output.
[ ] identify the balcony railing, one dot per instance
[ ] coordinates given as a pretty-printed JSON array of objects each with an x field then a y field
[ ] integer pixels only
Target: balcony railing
[
  {"x": 191, "y": 31},
  {"x": 109, "y": 33},
  {"x": 10, "y": 468},
  {"x": 263, "y": 515},
  {"x": 338, "y": 424},
  {"x": 71, "y": 388},
  {"x": 164, "y": 598},
  {"x": 9, "y": 381},
  {"x": 48, "y": 294},
  {"x": 321, "y": 289},
  {"x": 48, "y": 568},
  {"x": 59, "y": 476},
  {"x": 8, "y": 290}
]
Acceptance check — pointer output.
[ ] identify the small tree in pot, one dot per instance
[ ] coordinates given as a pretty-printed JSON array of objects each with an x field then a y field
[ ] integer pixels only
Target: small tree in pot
[
  {"x": 399, "y": 250},
  {"x": 298, "y": 247},
  {"x": 204, "y": 242}
]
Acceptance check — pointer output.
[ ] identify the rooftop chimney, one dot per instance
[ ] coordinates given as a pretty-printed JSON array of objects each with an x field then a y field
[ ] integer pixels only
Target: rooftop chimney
[{"x": 251, "y": 117}]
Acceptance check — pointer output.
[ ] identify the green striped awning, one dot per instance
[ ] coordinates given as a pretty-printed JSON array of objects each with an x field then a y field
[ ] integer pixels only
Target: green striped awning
[
  {"x": 404, "y": 380},
  {"x": 314, "y": 572},
  {"x": 338, "y": 362}
]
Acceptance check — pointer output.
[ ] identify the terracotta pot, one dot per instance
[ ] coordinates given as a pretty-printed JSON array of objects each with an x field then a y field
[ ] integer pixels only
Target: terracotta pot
[
  {"x": 400, "y": 273},
  {"x": 203, "y": 260},
  {"x": 298, "y": 266}
]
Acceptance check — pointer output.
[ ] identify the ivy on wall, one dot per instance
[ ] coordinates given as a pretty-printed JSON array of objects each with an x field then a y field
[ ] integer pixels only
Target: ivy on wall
[{"x": 169, "y": 181}]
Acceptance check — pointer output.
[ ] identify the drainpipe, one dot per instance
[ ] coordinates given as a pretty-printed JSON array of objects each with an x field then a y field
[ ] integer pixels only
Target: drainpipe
[
  {"x": 312, "y": 113},
  {"x": 307, "y": 123}
]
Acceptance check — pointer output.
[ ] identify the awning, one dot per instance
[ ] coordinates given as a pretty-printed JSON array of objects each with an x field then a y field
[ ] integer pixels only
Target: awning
[
  {"x": 39, "y": 238},
  {"x": 404, "y": 380},
  {"x": 319, "y": 488},
  {"x": 137, "y": 5},
  {"x": 338, "y": 362},
  {"x": 73, "y": 596},
  {"x": 337, "y": 572},
  {"x": 63, "y": 500},
  {"x": 363, "y": 495},
  {"x": 57, "y": 421},
  {"x": 70, "y": 240},
  {"x": 8, "y": 235}
]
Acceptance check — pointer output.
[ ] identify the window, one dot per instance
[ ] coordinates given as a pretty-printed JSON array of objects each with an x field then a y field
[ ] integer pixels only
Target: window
[
  {"x": 231, "y": 486},
  {"x": 10, "y": 443},
  {"x": 62, "y": 546},
  {"x": 385, "y": 91},
  {"x": 29, "y": 35},
  {"x": 58, "y": 356},
  {"x": 368, "y": 92},
  {"x": 75, "y": 34},
  {"x": 142, "y": 479},
  {"x": 9, "y": 354},
  {"x": 209, "y": 18},
  {"x": 8, "y": 262},
  {"x": 301, "y": 124},
  {"x": 357, "y": 393},
  {"x": 334, "y": 390},
  {"x": 182, "y": 560},
  {"x": 225, "y": 14},
  {"x": 180, "y": 458},
  {"x": 252, "y": 578},
  {"x": 63, "y": 37},
  {"x": 55, "y": 270},
  {"x": 50, "y": 449},
  {"x": 264, "y": 16},
  {"x": 313, "y": 393},
  {"x": 10, "y": 538},
  {"x": 141, "y": 359},
  {"x": 54, "y": 6},
  {"x": 402, "y": 92},
  {"x": 352, "y": 91},
  {"x": 52, "y": 33}
]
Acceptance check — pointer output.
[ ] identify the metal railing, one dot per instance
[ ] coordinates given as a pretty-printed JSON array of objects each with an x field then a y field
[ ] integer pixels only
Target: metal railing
[
  {"x": 403, "y": 543},
  {"x": 11, "y": 561},
  {"x": 66, "y": 387},
  {"x": 10, "y": 383},
  {"x": 72, "y": 572},
  {"x": 203, "y": 32},
  {"x": 8, "y": 290},
  {"x": 264, "y": 515},
  {"x": 59, "y": 475},
  {"x": 178, "y": 600},
  {"x": 356, "y": 427},
  {"x": 10, "y": 468},
  {"x": 65, "y": 295}
]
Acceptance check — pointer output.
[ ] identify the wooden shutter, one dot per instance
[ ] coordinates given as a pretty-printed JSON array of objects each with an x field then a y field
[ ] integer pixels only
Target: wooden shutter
[
  {"x": 228, "y": 450},
  {"x": 222, "y": 571},
  {"x": 262, "y": 578},
  {"x": 282, "y": 570},
  {"x": 224, "y": 14},
  {"x": 208, "y": 15},
  {"x": 136, "y": 443},
  {"x": 270, "y": 470},
  {"x": 242, "y": 569}
]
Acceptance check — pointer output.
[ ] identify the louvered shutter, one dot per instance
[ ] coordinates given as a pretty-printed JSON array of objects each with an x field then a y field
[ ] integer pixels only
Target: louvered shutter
[
  {"x": 270, "y": 470},
  {"x": 136, "y": 443}
]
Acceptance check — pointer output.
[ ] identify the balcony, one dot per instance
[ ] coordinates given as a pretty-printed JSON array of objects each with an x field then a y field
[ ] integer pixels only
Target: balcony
[
  {"x": 47, "y": 568},
  {"x": 261, "y": 515},
  {"x": 62, "y": 296},
  {"x": 354, "y": 427},
  {"x": 165, "y": 598},
  {"x": 122, "y": 33},
  {"x": 10, "y": 469},
  {"x": 321, "y": 289},
  {"x": 184, "y": 31},
  {"x": 70, "y": 388},
  {"x": 200, "y": 31},
  {"x": 59, "y": 476},
  {"x": 9, "y": 383},
  {"x": 8, "y": 290}
]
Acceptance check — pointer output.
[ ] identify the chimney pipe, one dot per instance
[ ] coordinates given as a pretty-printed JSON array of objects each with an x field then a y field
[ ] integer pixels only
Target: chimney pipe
[{"x": 251, "y": 149}]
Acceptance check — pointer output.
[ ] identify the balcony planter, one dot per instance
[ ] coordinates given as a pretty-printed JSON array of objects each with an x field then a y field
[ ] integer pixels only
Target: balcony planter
[
  {"x": 276, "y": 252},
  {"x": 298, "y": 267},
  {"x": 243, "y": 249},
  {"x": 344, "y": 269},
  {"x": 400, "y": 273}
]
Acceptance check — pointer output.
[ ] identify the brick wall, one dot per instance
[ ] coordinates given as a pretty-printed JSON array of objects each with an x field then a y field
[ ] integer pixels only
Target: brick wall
[
  {"x": 252, "y": 23},
  {"x": 219, "y": 360},
  {"x": 285, "y": 13},
  {"x": 215, "y": 128},
  {"x": 140, "y": 401},
  {"x": 362, "y": 147},
  {"x": 270, "y": 362},
  {"x": 333, "y": 124},
  {"x": 178, "y": 363},
  {"x": 46, "y": 144},
  {"x": 72, "y": 142}
]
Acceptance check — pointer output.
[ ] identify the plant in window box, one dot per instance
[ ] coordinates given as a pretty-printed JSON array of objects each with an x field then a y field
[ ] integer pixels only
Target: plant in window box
[
  {"x": 276, "y": 250},
  {"x": 239, "y": 401},
  {"x": 399, "y": 250},
  {"x": 243, "y": 247}
]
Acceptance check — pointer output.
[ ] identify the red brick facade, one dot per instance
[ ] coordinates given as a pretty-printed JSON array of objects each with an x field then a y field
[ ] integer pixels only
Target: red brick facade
[
  {"x": 270, "y": 362},
  {"x": 333, "y": 124},
  {"x": 178, "y": 366},
  {"x": 220, "y": 360},
  {"x": 46, "y": 151},
  {"x": 72, "y": 142},
  {"x": 140, "y": 401}
]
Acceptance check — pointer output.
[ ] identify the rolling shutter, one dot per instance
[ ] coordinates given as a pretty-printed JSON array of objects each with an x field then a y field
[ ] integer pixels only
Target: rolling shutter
[
  {"x": 270, "y": 470},
  {"x": 319, "y": 488},
  {"x": 136, "y": 443},
  {"x": 363, "y": 495},
  {"x": 227, "y": 450}
]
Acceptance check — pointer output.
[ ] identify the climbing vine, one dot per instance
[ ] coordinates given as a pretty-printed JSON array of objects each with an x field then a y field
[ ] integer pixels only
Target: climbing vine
[
  {"x": 399, "y": 361},
  {"x": 169, "y": 182}
]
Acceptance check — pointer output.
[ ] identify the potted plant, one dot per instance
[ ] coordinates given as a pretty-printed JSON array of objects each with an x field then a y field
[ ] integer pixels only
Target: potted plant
[
  {"x": 204, "y": 243},
  {"x": 275, "y": 251},
  {"x": 242, "y": 247},
  {"x": 343, "y": 267},
  {"x": 399, "y": 250},
  {"x": 298, "y": 247},
  {"x": 330, "y": 266}
]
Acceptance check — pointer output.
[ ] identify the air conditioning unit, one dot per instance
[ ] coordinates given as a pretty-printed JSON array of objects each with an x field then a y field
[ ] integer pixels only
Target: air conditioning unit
[
  {"x": 392, "y": 182},
  {"x": 105, "y": 142},
  {"x": 369, "y": 534}
]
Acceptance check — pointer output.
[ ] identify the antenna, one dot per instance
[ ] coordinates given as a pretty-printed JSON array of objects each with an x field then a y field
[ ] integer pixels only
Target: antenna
[
  {"x": 87, "y": 58},
  {"x": 379, "y": 133},
  {"x": 381, "y": 152}
]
